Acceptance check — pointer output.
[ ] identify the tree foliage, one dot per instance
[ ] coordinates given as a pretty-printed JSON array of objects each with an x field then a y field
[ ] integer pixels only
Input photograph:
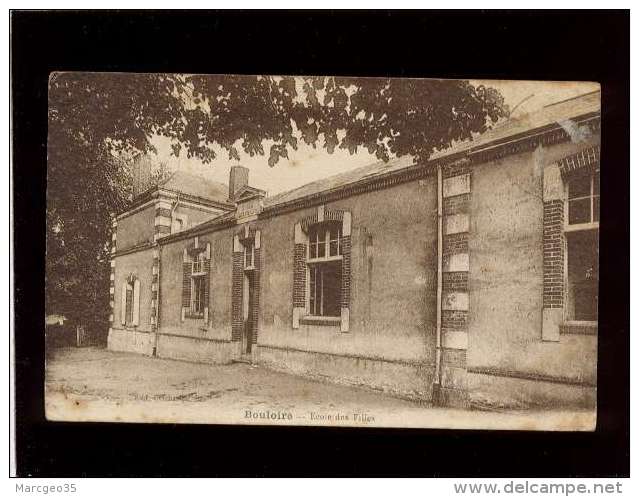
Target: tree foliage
[
  {"x": 96, "y": 122},
  {"x": 99, "y": 122}
]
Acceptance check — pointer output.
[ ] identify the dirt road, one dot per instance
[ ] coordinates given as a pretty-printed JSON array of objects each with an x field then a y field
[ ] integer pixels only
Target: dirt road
[{"x": 90, "y": 384}]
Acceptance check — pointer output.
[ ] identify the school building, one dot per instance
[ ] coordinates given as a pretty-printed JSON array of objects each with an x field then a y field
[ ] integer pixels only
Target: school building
[{"x": 469, "y": 280}]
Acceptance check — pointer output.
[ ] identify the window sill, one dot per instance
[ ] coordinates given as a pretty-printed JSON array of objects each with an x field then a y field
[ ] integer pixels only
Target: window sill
[
  {"x": 324, "y": 259},
  {"x": 321, "y": 320},
  {"x": 194, "y": 316},
  {"x": 581, "y": 226},
  {"x": 578, "y": 328}
]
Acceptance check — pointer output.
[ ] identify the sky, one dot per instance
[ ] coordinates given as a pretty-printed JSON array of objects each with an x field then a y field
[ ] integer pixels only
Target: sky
[{"x": 308, "y": 164}]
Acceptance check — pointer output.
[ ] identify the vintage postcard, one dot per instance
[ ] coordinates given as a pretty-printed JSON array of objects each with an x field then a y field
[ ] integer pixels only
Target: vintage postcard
[{"x": 323, "y": 251}]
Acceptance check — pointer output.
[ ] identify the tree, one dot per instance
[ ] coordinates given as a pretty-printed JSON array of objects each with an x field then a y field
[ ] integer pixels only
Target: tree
[{"x": 98, "y": 123}]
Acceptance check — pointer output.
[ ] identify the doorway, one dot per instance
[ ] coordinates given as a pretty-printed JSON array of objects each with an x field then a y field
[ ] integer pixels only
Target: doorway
[{"x": 249, "y": 312}]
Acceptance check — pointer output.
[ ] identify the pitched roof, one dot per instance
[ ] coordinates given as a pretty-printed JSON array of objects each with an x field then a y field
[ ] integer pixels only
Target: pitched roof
[
  {"x": 247, "y": 192},
  {"x": 339, "y": 180},
  {"x": 198, "y": 186},
  {"x": 556, "y": 113}
]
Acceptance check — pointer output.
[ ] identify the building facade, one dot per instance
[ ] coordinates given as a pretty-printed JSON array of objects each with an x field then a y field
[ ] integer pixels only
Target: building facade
[{"x": 467, "y": 280}]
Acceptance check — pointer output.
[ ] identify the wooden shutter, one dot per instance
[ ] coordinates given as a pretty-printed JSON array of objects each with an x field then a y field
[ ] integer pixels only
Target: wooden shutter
[
  {"x": 346, "y": 283},
  {"x": 123, "y": 303},
  {"x": 207, "y": 282},
  {"x": 186, "y": 287},
  {"x": 136, "y": 303}
]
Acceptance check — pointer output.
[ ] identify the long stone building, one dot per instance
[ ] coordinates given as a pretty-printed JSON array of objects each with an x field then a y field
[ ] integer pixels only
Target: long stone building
[{"x": 470, "y": 279}]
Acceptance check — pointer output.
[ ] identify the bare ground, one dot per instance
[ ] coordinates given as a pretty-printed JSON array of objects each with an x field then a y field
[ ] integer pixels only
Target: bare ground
[{"x": 91, "y": 384}]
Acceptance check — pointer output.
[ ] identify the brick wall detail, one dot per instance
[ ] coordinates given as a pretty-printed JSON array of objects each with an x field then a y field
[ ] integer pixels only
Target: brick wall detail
[
  {"x": 247, "y": 235},
  {"x": 155, "y": 268},
  {"x": 114, "y": 226},
  {"x": 553, "y": 248},
  {"x": 346, "y": 272},
  {"x": 255, "y": 310},
  {"x": 236, "y": 296},
  {"x": 454, "y": 323},
  {"x": 299, "y": 275},
  {"x": 162, "y": 224},
  {"x": 299, "y": 263},
  {"x": 586, "y": 158}
]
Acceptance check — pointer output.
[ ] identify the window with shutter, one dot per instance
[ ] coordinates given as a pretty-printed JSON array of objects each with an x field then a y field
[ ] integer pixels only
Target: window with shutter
[
  {"x": 186, "y": 287},
  {"x": 135, "y": 312},
  {"x": 129, "y": 304},
  {"x": 123, "y": 302},
  {"x": 195, "y": 284},
  {"x": 130, "y": 301},
  {"x": 322, "y": 270}
]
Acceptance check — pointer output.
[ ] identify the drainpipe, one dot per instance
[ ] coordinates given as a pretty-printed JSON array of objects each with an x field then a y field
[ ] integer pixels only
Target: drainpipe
[{"x": 437, "y": 380}]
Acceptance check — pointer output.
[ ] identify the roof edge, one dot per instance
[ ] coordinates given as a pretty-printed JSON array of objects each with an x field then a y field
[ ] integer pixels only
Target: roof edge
[
  {"x": 156, "y": 191},
  {"x": 549, "y": 134}
]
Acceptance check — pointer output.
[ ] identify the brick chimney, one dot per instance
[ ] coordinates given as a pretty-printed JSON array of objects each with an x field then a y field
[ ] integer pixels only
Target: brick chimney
[{"x": 238, "y": 179}]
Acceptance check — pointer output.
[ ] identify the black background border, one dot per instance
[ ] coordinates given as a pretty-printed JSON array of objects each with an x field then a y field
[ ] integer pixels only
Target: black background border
[{"x": 568, "y": 45}]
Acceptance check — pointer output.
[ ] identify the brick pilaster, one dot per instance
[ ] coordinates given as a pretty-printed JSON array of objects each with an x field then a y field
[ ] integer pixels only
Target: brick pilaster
[
  {"x": 114, "y": 227},
  {"x": 299, "y": 275},
  {"x": 553, "y": 248},
  {"x": 155, "y": 270},
  {"x": 186, "y": 284},
  {"x": 162, "y": 221},
  {"x": 236, "y": 296},
  {"x": 346, "y": 272},
  {"x": 255, "y": 310},
  {"x": 456, "y": 197},
  {"x": 207, "y": 285}
]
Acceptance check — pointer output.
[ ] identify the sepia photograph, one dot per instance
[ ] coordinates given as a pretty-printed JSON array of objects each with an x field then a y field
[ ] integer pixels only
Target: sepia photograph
[{"x": 322, "y": 251}]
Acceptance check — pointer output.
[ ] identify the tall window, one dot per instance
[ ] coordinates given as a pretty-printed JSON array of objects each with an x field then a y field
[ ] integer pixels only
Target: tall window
[
  {"x": 583, "y": 198},
  {"x": 325, "y": 241},
  {"x": 129, "y": 304},
  {"x": 325, "y": 288},
  {"x": 196, "y": 271},
  {"x": 582, "y": 244},
  {"x": 325, "y": 269},
  {"x": 198, "y": 285},
  {"x": 249, "y": 254},
  {"x": 197, "y": 295},
  {"x": 130, "y": 301}
]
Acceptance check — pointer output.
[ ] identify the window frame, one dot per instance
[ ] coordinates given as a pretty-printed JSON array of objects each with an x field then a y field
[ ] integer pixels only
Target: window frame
[
  {"x": 567, "y": 284},
  {"x": 198, "y": 273},
  {"x": 197, "y": 282},
  {"x": 129, "y": 302},
  {"x": 325, "y": 228},
  {"x": 319, "y": 269},
  {"x": 197, "y": 265},
  {"x": 249, "y": 244},
  {"x": 320, "y": 233},
  {"x": 574, "y": 228},
  {"x": 592, "y": 224}
]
